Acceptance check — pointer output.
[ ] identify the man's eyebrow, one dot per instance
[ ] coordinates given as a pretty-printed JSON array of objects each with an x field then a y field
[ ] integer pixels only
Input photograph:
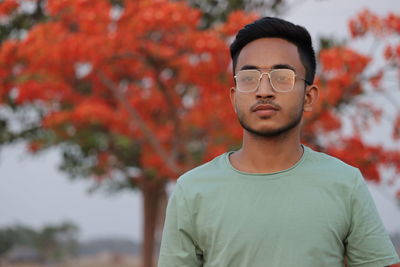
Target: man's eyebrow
[
  {"x": 277, "y": 66},
  {"x": 283, "y": 66},
  {"x": 249, "y": 67}
]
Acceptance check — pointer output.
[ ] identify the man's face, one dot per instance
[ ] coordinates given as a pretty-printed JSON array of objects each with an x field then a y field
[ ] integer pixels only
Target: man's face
[{"x": 266, "y": 112}]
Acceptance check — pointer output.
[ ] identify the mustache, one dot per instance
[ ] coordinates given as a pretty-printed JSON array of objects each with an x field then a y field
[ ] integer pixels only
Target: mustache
[{"x": 265, "y": 102}]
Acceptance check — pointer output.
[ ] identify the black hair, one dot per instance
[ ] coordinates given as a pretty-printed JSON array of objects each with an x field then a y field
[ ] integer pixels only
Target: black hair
[{"x": 270, "y": 27}]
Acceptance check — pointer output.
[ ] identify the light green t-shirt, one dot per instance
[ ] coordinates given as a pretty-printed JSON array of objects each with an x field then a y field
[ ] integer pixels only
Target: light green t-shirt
[{"x": 312, "y": 214}]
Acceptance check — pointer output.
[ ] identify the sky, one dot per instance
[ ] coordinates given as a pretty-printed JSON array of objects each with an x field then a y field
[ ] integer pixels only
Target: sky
[{"x": 33, "y": 192}]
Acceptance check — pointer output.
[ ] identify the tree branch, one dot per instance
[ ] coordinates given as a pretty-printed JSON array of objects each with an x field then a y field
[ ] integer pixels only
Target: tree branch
[
  {"x": 148, "y": 134},
  {"x": 178, "y": 149}
]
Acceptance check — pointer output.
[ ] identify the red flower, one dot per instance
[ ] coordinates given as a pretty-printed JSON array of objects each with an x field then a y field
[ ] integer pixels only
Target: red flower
[{"x": 7, "y": 7}]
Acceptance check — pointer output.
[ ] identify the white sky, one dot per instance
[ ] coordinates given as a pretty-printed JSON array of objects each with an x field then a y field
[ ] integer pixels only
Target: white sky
[{"x": 33, "y": 192}]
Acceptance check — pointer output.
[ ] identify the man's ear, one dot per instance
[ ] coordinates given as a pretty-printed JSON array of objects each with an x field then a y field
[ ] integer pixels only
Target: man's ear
[
  {"x": 232, "y": 94},
  {"x": 310, "y": 97}
]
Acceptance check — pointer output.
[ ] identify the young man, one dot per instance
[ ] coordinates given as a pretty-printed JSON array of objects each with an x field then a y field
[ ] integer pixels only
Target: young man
[{"x": 274, "y": 202}]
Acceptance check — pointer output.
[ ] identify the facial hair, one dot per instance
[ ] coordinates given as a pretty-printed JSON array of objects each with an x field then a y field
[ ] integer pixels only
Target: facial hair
[{"x": 294, "y": 120}]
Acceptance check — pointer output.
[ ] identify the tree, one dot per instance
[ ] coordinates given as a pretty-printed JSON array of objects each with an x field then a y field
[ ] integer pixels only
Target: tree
[
  {"x": 56, "y": 242},
  {"x": 17, "y": 235},
  {"x": 130, "y": 91},
  {"x": 53, "y": 242}
]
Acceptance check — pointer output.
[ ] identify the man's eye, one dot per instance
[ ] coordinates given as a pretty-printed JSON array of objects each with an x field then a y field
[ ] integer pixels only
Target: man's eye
[
  {"x": 248, "y": 79},
  {"x": 283, "y": 79}
]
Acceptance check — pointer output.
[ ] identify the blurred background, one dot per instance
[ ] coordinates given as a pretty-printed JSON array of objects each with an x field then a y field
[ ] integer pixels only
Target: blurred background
[{"x": 103, "y": 104}]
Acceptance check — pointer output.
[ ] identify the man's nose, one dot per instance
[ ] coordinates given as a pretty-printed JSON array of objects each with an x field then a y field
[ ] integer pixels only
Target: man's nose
[{"x": 265, "y": 89}]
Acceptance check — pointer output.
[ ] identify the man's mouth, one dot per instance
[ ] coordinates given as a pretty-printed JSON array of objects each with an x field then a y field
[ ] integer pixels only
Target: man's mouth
[{"x": 265, "y": 109}]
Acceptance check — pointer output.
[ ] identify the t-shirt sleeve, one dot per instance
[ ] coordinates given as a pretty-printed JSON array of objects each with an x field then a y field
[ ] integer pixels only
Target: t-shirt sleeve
[
  {"x": 178, "y": 247},
  {"x": 367, "y": 243}
]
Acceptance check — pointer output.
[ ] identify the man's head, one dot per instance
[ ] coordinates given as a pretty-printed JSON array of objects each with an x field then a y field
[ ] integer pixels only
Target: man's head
[
  {"x": 269, "y": 27},
  {"x": 274, "y": 68}
]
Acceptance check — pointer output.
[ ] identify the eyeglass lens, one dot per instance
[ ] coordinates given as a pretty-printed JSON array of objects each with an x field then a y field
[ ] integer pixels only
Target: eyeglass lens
[{"x": 281, "y": 79}]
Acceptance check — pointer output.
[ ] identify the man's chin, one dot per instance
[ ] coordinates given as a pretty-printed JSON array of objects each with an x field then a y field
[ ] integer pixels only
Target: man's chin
[
  {"x": 262, "y": 131},
  {"x": 270, "y": 132}
]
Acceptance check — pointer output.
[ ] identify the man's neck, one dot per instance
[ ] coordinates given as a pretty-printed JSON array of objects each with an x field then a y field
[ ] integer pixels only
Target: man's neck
[{"x": 268, "y": 154}]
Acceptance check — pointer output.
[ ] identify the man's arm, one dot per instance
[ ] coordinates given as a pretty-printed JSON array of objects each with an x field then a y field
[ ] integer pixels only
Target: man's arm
[
  {"x": 367, "y": 243},
  {"x": 178, "y": 247}
]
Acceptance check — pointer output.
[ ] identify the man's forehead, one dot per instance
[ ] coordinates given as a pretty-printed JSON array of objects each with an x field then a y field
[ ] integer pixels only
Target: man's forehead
[{"x": 268, "y": 52}]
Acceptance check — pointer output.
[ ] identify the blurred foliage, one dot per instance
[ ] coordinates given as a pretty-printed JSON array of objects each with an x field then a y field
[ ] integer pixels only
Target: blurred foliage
[
  {"x": 52, "y": 242},
  {"x": 216, "y": 11},
  {"x": 327, "y": 42},
  {"x": 29, "y": 14}
]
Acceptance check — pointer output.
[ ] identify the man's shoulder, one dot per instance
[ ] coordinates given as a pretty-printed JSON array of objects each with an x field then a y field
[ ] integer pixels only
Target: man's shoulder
[
  {"x": 331, "y": 173},
  {"x": 330, "y": 166},
  {"x": 208, "y": 169},
  {"x": 324, "y": 159},
  {"x": 325, "y": 163}
]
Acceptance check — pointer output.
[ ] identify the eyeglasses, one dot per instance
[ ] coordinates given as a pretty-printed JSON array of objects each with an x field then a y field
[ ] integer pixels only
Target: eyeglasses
[{"x": 281, "y": 80}]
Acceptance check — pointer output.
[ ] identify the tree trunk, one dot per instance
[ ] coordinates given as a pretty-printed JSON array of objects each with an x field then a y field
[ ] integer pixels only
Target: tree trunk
[{"x": 153, "y": 191}]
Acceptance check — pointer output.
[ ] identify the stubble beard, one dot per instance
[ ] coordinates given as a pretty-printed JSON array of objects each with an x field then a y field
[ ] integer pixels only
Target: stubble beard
[{"x": 282, "y": 131}]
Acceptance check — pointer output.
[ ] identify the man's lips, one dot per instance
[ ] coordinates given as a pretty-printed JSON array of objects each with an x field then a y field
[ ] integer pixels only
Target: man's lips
[
  {"x": 265, "y": 109},
  {"x": 267, "y": 105}
]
